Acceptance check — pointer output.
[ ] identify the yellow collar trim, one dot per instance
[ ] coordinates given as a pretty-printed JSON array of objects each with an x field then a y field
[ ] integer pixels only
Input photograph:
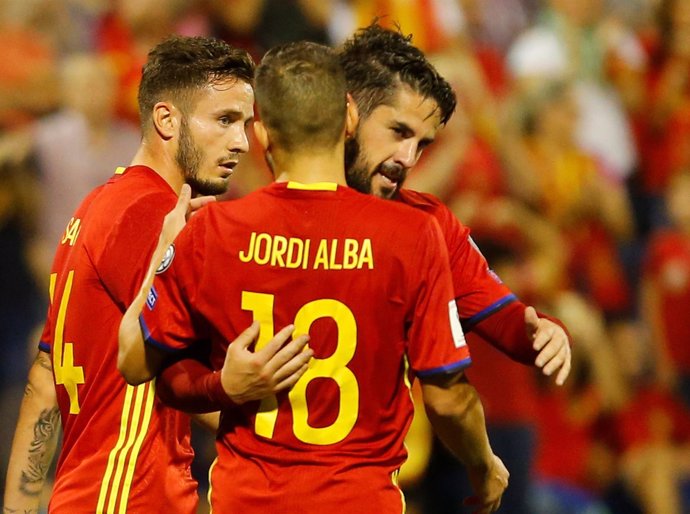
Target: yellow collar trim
[
  {"x": 120, "y": 170},
  {"x": 316, "y": 186}
]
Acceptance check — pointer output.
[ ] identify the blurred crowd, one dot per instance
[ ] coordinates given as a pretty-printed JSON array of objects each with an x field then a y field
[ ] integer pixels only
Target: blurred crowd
[{"x": 568, "y": 156}]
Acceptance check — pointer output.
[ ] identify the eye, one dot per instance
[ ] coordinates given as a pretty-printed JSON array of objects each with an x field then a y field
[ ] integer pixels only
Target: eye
[{"x": 225, "y": 120}]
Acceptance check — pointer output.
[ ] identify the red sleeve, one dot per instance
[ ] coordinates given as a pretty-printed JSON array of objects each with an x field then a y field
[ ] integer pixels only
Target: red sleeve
[
  {"x": 191, "y": 386},
  {"x": 436, "y": 341},
  {"x": 168, "y": 319},
  {"x": 123, "y": 261},
  {"x": 505, "y": 330}
]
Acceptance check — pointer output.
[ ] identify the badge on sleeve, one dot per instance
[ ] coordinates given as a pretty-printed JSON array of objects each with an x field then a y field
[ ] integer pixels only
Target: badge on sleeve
[{"x": 167, "y": 259}]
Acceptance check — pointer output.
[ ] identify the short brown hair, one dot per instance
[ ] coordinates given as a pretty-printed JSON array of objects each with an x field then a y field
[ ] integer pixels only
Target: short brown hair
[
  {"x": 301, "y": 95},
  {"x": 180, "y": 66}
]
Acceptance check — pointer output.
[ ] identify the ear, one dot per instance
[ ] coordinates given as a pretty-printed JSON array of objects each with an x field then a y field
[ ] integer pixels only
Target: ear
[
  {"x": 261, "y": 134},
  {"x": 165, "y": 119},
  {"x": 351, "y": 117}
]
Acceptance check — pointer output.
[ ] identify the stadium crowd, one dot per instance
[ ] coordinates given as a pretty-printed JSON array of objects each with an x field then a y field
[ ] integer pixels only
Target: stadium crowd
[{"x": 568, "y": 156}]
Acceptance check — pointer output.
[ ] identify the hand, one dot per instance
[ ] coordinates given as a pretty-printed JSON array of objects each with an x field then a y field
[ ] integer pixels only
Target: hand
[
  {"x": 248, "y": 376},
  {"x": 551, "y": 342},
  {"x": 176, "y": 219},
  {"x": 488, "y": 486}
]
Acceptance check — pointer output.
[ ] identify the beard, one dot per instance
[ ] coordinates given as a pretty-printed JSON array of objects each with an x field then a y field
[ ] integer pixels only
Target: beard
[
  {"x": 356, "y": 170},
  {"x": 189, "y": 158}
]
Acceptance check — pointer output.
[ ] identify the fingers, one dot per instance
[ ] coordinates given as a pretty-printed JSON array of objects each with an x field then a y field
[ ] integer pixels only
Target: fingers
[
  {"x": 275, "y": 344},
  {"x": 555, "y": 355},
  {"x": 246, "y": 338},
  {"x": 292, "y": 379},
  {"x": 183, "y": 200},
  {"x": 197, "y": 203},
  {"x": 531, "y": 321},
  {"x": 291, "y": 359}
]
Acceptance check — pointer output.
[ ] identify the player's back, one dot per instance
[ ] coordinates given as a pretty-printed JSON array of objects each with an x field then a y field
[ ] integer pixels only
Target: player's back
[
  {"x": 355, "y": 272},
  {"x": 121, "y": 447}
]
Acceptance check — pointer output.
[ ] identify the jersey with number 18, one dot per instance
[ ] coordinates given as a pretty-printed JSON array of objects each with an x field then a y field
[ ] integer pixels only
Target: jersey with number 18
[{"x": 370, "y": 282}]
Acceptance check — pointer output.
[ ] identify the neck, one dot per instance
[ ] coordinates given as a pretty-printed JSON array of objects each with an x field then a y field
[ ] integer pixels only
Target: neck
[
  {"x": 309, "y": 167},
  {"x": 162, "y": 162}
]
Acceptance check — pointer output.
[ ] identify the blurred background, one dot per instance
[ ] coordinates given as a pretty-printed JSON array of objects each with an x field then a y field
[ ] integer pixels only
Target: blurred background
[{"x": 568, "y": 156}]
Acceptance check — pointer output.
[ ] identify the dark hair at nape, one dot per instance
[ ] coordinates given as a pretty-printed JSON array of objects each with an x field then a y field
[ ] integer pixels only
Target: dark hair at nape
[
  {"x": 376, "y": 60},
  {"x": 180, "y": 66}
]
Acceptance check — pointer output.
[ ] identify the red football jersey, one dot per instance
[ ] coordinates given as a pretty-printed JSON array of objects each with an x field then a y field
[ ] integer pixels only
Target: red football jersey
[
  {"x": 478, "y": 290},
  {"x": 122, "y": 450},
  {"x": 369, "y": 280},
  {"x": 668, "y": 265}
]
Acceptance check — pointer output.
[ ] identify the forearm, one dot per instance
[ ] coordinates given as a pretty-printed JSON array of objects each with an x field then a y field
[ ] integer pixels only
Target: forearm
[
  {"x": 190, "y": 386},
  {"x": 457, "y": 416},
  {"x": 35, "y": 440},
  {"x": 505, "y": 330}
]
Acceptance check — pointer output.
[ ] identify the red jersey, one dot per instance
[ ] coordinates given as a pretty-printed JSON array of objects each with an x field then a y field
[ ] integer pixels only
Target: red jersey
[
  {"x": 369, "y": 281},
  {"x": 478, "y": 290},
  {"x": 668, "y": 265},
  {"x": 122, "y": 450}
]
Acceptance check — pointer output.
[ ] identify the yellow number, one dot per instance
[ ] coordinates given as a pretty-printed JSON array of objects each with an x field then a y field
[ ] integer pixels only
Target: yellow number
[
  {"x": 66, "y": 373},
  {"x": 333, "y": 367}
]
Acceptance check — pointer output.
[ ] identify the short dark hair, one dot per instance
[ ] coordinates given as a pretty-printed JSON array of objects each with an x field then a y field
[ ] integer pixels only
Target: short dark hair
[
  {"x": 377, "y": 60},
  {"x": 301, "y": 95},
  {"x": 180, "y": 66}
]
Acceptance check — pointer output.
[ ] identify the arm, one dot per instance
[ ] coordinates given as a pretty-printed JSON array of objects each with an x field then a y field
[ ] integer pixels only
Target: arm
[
  {"x": 191, "y": 386},
  {"x": 456, "y": 413},
  {"x": 137, "y": 361},
  {"x": 35, "y": 440}
]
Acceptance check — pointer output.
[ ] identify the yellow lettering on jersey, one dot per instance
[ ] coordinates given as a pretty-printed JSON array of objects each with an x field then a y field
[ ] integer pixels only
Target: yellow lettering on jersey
[
  {"x": 321, "y": 255},
  {"x": 66, "y": 373},
  {"x": 72, "y": 231},
  {"x": 249, "y": 254},
  {"x": 292, "y": 252},
  {"x": 334, "y": 264},
  {"x": 366, "y": 256}
]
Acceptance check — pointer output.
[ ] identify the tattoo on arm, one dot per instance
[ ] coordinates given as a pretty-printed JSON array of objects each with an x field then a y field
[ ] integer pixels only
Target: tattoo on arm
[{"x": 40, "y": 452}]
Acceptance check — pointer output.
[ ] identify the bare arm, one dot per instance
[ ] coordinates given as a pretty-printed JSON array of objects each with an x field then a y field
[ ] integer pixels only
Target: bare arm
[
  {"x": 456, "y": 413},
  {"x": 35, "y": 440}
]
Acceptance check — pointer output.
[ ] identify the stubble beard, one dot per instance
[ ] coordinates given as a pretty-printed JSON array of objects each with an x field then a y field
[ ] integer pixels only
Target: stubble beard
[{"x": 189, "y": 158}]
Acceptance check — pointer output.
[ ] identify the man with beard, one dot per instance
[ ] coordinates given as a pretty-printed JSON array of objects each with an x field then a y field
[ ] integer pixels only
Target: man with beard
[
  {"x": 122, "y": 449},
  {"x": 376, "y": 298}
]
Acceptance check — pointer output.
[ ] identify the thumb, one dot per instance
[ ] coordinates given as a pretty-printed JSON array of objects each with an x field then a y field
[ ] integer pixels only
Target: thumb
[
  {"x": 184, "y": 198},
  {"x": 247, "y": 337},
  {"x": 197, "y": 203},
  {"x": 531, "y": 320}
]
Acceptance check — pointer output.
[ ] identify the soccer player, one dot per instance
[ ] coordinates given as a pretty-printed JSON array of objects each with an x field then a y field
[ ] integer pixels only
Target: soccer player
[
  {"x": 122, "y": 449},
  {"x": 395, "y": 87},
  {"x": 367, "y": 279}
]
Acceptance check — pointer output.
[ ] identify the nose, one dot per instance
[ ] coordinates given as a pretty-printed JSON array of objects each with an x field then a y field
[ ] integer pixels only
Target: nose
[
  {"x": 239, "y": 142},
  {"x": 407, "y": 155}
]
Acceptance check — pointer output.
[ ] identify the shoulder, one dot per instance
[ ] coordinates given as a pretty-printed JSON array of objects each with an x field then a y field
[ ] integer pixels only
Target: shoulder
[{"x": 428, "y": 203}]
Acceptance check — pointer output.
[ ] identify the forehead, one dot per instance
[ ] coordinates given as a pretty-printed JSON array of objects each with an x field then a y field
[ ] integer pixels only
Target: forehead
[
  {"x": 229, "y": 95},
  {"x": 411, "y": 109}
]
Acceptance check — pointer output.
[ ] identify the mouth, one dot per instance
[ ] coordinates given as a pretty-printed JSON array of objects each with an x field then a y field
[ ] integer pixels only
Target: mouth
[
  {"x": 228, "y": 166},
  {"x": 391, "y": 176}
]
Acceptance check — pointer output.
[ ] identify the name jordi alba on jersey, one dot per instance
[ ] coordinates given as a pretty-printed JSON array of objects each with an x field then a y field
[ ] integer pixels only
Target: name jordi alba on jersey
[{"x": 292, "y": 252}]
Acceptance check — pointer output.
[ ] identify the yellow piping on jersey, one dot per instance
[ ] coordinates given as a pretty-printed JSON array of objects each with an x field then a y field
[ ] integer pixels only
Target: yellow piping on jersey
[
  {"x": 120, "y": 170},
  {"x": 316, "y": 186},
  {"x": 131, "y": 435}
]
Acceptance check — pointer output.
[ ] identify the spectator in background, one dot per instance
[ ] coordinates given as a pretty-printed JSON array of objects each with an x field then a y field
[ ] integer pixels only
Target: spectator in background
[
  {"x": 664, "y": 125},
  {"x": 78, "y": 147},
  {"x": 552, "y": 175},
  {"x": 574, "y": 41},
  {"x": 127, "y": 32},
  {"x": 666, "y": 291},
  {"x": 29, "y": 72}
]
